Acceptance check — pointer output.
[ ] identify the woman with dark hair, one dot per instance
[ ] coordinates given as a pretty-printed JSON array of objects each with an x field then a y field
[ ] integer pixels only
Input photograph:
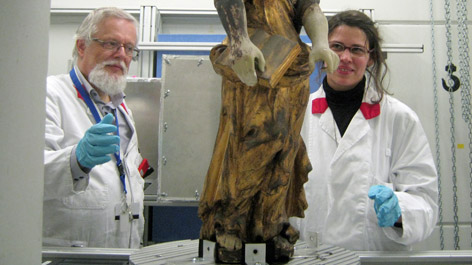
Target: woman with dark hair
[{"x": 374, "y": 184}]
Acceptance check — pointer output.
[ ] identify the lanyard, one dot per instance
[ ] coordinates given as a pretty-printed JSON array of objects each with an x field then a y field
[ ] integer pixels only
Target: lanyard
[{"x": 88, "y": 101}]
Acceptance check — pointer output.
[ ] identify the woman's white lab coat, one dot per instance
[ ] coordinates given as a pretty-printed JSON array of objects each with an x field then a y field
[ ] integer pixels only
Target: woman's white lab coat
[
  {"x": 384, "y": 144},
  {"x": 85, "y": 215}
]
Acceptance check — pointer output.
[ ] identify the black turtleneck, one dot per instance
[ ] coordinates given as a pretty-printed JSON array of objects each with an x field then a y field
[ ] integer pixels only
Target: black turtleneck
[{"x": 344, "y": 104}]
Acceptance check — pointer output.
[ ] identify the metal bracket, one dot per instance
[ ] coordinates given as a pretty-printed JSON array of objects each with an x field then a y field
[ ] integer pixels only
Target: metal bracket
[
  {"x": 207, "y": 251},
  {"x": 313, "y": 240},
  {"x": 255, "y": 254}
]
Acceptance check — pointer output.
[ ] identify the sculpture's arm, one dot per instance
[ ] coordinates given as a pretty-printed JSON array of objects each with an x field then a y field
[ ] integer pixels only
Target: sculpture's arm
[
  {"x": 245, "y": 56},
  {"x": 316, "y": 27}
]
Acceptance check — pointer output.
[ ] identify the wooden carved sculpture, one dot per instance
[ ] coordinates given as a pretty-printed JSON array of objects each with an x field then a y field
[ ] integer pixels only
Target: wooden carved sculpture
[{"x": 259, "y": 165}]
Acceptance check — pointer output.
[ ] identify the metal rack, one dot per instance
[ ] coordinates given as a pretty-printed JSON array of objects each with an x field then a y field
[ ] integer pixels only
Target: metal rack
[
  {"x": 186, "y": 252},
  {"x": 152, "y": 18}
]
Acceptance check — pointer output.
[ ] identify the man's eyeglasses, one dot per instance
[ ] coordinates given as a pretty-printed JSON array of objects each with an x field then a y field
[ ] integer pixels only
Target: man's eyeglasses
[
  {"x": 357, "y": 51},
  {"x": 130, "y": 50}
]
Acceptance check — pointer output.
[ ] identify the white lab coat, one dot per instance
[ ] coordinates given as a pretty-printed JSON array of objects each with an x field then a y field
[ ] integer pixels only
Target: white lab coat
[
  {"x": 86, "y": 215},
  {"x": 390, "y": 149}
]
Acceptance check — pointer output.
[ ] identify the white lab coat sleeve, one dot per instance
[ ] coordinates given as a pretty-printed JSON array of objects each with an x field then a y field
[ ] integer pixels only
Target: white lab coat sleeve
[
  {"x": 80, "y": 178},
  {"x": 58, "y": 179},
  {"x": 414, "y": 178}
]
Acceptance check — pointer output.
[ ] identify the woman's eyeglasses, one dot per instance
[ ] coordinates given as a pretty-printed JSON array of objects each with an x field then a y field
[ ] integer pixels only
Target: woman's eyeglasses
[{"x": 357, "y": 51}]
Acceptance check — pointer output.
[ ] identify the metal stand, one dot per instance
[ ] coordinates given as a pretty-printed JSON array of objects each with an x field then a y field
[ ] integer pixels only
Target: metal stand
[
  {"x": 254, "y": 254},
  {"x": 185, "y": 252}
]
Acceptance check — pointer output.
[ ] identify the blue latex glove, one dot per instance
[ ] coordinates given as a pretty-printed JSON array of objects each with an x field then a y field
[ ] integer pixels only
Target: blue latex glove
[
  {"x": 386, "y": 205},
  {"x": 96, "y": 145}
]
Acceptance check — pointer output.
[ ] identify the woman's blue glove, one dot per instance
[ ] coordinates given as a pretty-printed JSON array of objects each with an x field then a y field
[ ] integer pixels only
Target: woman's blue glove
[
  {"x": 386, "y": 205},
  {"x": 96, "y": 145}
]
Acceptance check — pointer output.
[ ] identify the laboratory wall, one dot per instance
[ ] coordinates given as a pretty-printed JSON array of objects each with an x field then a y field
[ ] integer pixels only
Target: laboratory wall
[
  {"x": 23, "y": 62},
  {"x": 417, "y": 64}
]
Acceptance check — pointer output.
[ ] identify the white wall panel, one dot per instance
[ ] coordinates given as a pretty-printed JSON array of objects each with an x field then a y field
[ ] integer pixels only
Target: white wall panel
[{"x": 23, "y": 64}]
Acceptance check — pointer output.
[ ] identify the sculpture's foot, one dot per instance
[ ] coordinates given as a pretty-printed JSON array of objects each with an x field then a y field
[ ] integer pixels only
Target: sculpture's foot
[
  {"x": 280, "y": 250},
  {"x": 281, "y": 247},
  {"x": 291, "y": 234},
  {"x": 229, "y": 249}
]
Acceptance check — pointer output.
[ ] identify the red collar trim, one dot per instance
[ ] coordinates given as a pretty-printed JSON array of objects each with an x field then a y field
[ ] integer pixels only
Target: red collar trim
[
  {"x": 80, "y": 96},
  {"x": 370, "y": 111},
  {"x": 124, "y": 107},
  {"x": 319, "y": 105}
]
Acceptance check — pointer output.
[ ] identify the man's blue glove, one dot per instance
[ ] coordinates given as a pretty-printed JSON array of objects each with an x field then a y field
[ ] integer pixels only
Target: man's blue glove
[
  {"x": 386, "y": 205},
  {"x": 96, "y": 145}
]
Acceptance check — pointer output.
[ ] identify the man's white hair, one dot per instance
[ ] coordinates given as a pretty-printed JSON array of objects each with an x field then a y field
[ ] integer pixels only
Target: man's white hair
[{"x": 89, "y": 26}]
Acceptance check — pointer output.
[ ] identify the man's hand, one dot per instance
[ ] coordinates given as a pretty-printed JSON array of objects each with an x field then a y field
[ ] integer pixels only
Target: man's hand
[{"x": 96, "y": 145}]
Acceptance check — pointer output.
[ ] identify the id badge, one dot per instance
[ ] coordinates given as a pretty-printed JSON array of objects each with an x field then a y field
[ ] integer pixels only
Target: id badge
[
  {"x": 134, "y": 213},
  {"x": 121, "y": 216}
]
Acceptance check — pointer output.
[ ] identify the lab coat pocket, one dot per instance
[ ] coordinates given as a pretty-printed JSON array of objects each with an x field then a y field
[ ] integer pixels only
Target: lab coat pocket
[
  {"x": 89, "y": 199},
  {"x": 382, "y": 175}
]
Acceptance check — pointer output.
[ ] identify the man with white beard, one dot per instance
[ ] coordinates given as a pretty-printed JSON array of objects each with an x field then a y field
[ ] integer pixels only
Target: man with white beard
[{"x": 93, "y": 187}]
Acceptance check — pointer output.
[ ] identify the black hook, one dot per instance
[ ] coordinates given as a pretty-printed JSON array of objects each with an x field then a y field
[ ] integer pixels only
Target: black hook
[{"x": 451, "y": 68}]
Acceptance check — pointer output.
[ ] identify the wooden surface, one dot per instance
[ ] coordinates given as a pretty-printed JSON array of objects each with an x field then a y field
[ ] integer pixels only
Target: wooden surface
[
  {"x": 255, "y": 179},
  {"x": 259, "y": 165}
]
